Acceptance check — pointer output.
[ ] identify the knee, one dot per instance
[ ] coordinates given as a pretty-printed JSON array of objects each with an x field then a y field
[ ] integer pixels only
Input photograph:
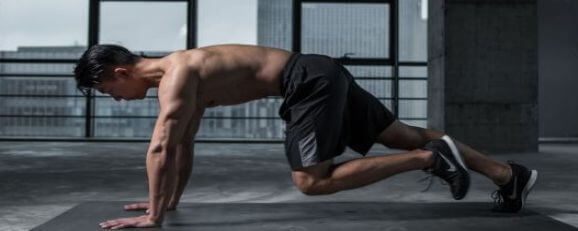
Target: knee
[
  {"x": 402, "y": 136},
  {"x": 307, "y": 184}
]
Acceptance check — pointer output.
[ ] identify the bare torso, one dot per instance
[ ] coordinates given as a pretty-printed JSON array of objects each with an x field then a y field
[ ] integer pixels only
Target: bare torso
[{"x": 234, "y": 74}]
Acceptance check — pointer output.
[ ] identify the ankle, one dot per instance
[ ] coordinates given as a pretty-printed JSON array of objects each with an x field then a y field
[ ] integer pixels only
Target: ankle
[
  {"x": 504, "y": 176},
  {"x": 426, "y": 157}
]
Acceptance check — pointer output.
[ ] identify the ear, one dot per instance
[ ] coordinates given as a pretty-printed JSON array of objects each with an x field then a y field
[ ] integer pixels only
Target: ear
[{"x": 121, "y": 72}]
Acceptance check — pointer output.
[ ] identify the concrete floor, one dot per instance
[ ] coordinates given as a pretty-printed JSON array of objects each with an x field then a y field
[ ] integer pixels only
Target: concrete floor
[{"x": 40, "y": 180}]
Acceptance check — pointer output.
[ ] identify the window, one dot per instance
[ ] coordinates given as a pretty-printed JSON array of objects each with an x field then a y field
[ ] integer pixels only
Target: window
[
  {"x": 38, "y": 47},
  {"x": 135, "y": 25}
]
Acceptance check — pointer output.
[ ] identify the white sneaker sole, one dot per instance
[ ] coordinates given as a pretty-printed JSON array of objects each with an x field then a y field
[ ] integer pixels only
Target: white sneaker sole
[{"x": 529, "y": 186}]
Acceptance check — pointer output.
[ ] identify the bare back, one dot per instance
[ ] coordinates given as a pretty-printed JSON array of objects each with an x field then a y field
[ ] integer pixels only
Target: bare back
[{"x": 234, "y": 74}]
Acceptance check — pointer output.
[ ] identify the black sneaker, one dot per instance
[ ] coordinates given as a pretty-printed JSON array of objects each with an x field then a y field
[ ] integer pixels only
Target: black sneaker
[
  {"x": 511, "y": 197},
  {"x": 449, "y": 166}
]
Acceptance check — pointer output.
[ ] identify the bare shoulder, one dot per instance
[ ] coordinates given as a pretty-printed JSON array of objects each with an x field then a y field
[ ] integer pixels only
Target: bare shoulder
[
  {"x": 189, "y": 59},
  {"x": 180, "y": 77}
]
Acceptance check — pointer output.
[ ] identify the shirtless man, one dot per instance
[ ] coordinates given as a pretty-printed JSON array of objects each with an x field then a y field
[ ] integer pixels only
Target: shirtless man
[{"x": 324, "y": 108}]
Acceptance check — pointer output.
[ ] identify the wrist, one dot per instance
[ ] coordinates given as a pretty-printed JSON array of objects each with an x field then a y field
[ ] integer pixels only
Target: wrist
[{"x": 155, "y": 218}]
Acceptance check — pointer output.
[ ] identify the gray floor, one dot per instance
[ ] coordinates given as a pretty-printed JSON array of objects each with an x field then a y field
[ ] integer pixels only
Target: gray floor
[{"x": 40, "y": 180}]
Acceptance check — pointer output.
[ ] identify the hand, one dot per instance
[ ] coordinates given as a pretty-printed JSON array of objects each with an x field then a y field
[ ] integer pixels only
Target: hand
[
  {"x": 139, "y": 222},
  {"x": 145, "y": 206}
]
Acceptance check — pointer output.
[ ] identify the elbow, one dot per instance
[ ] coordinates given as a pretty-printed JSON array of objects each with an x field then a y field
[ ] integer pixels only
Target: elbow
[
  {"x": 162, "y": 155},
  {"x": 163, "y": 147}
]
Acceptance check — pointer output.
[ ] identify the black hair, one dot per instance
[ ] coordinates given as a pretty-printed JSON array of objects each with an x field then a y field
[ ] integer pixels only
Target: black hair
[{"x": 92, "y": 64}]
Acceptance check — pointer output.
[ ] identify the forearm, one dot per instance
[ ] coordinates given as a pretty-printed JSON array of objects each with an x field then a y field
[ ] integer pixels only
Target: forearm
[
  {"x": 161, "y": 174},
  {"x": 184, "y": 165}
]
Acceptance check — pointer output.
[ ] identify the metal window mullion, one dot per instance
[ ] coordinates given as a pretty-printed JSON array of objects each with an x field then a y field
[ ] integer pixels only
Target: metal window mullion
[
  {"x": 192, "y": 24},
  {"x": 296, "y": 43},
  {"x": 93, "y": 35},
  {"x": 394, "y": 53}
]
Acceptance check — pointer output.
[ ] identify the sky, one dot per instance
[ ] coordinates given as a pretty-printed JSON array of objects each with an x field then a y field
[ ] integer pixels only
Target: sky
[{"x": 140, "y": 26}]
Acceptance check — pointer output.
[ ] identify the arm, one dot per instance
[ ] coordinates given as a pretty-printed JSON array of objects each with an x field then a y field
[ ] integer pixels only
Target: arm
[
  {"x": 178, "y": 104},
  {"x": 184, "y": 158}
]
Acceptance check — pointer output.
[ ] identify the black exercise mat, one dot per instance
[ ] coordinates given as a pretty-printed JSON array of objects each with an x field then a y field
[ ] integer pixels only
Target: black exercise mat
[{"x": 314, "y": 216}]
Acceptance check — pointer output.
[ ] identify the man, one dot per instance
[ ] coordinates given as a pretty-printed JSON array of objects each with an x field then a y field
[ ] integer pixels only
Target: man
[{"x": 324, "y": 108}]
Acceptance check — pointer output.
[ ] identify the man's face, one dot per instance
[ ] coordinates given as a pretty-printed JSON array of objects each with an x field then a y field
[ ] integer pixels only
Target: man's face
[{"x": 121, "y": 85}]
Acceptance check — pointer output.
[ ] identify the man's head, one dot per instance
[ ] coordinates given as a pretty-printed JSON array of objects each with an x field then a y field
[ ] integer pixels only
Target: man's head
[{"x": 109, "y": 69}]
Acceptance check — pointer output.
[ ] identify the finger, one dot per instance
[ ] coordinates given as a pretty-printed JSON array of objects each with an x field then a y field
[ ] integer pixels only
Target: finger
[
  {"x": 114, "y": 222},
  {"x": 119, "y": 226},
  {"x": 131, "y": 206},
  {"x": 136, "y": 206},
  {"x": 106, "y": 224}
]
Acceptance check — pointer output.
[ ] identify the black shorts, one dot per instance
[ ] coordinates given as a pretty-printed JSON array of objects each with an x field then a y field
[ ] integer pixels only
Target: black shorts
[{"x": 326, "y": 111}]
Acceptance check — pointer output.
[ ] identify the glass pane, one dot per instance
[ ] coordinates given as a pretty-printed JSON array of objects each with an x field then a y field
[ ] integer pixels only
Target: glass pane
[
  {"x": 107, "y": 106},
  {"x": 413, "y": 72},
  {"x": 242, "y": 128},
  {"x": 64, "y": 52},
  {"x": 42, "y": 126},
  {"x": 369, "y": 71},
  {"x": 416, "y": 123},
  {"x": 48, "y": 24},
  {"x": 257, "y": 119},
  {"x": 43, "y": 86},
  {"x": 413, "y": 89},
  {"x": 42, "y": 106},
  {"x": 37, "y": 68},
  {"x": 30, "y": 96},
  {"x": 235, "y": 23},
  {"x": 413, "y": 30},
  {"x": 274, "y": 23},
  {"x": 358, "y": 30},
  {"x": 144, "y": 26},
  {"x": 380, "y": 88},
  {"x": 413, "y": 108},
  {"x": 124, "y": 127}
]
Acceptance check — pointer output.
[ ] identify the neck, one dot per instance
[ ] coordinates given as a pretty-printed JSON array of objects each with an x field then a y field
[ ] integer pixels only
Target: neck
[{"x": 150, "y": 70}]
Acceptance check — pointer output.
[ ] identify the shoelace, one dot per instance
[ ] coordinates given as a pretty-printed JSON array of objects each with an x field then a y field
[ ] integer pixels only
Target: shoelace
[
  {"x": 497, "y": 195},
  {"x": 430, "y": 177},
  {"x": 498, "y": 199}
]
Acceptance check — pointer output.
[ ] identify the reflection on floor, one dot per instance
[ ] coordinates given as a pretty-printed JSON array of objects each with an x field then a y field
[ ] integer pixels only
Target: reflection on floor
[{"x": 41, "y": 180}]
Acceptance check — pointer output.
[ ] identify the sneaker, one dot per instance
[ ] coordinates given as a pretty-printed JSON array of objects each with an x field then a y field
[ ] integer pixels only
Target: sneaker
[
  {"x": 511, "y": 197},
  {"x": 449, "y": 166}
]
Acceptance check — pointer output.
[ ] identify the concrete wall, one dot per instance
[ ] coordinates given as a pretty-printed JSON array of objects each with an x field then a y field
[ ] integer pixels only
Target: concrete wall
[
  {"x": 483, "y": 86},
  {"x": 558, "y": 67}
]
